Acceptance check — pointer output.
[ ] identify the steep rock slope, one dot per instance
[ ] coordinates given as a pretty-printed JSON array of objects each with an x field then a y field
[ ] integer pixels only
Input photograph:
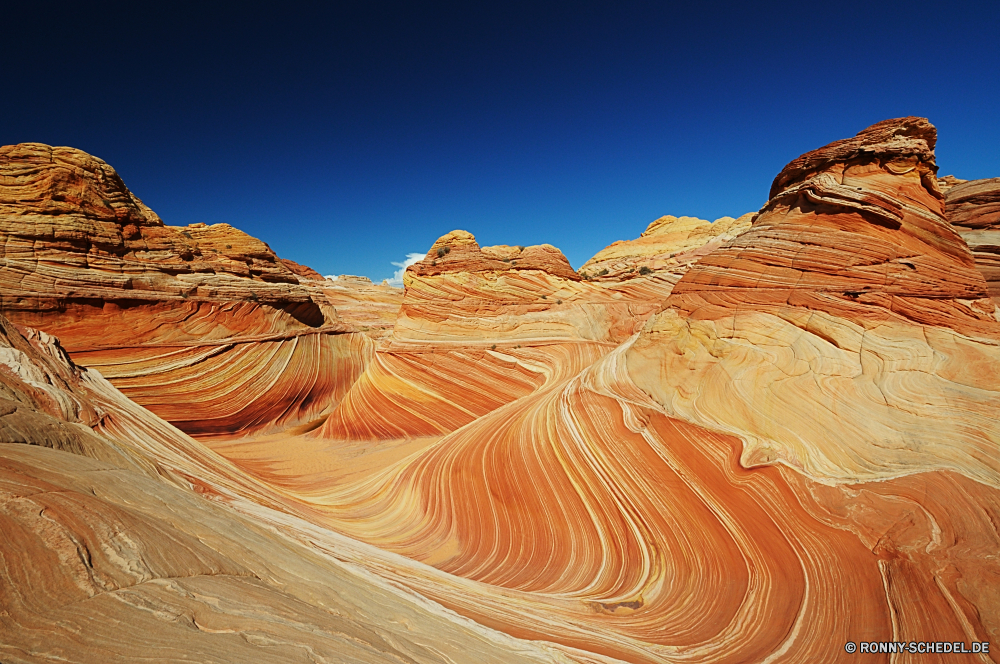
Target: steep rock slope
[
  {"x": 974, "y": 209},
  {"x": 169, "y": 314}
]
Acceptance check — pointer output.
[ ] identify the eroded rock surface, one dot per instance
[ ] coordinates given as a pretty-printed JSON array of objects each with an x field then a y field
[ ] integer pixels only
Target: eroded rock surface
[
  {"x": 368, "y": 307},
  {"x": 204, "y": 325},
  {"x": 669, "y": 245},
  {"x": 798, "y": 445},
  {"x": 787, "y": 444},
  {"x": 974, "y": 209},
  {"x": 478, "y": 328}
]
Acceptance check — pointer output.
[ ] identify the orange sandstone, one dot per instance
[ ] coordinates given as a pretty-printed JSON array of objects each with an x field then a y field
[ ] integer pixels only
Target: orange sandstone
[
  {"x": 793, "y": 447},
  {"x": 202, "y": 324}
]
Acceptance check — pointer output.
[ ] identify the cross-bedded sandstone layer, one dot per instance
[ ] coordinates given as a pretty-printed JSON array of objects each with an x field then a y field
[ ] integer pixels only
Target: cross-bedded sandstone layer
[
  {"x": 480, "y": 327},
  {"x": 116, "y": 546},
  {"x": 202, "y": 324},
  {"x": 849, "y": 336},
  {"x": 669, "y": 245},
  {"x": 793, "y": 447},
  {"x": 798, "y": 451},
  {"x": 974, "y": 209},
  {"x": 370, "y": 308}
]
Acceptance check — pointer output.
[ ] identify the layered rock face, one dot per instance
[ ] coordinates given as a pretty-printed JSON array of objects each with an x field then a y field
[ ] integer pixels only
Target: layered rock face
[
  {"x": 973, "y": 208},
  {"x": 669, "y": 245},
  {"x": 791, "y": 447},
  {"x": 172, "y": 315},
  {"x": 370, "y": 308},
  {"x": 480, "y": 327},
  {"x": 851, "y": 288},
  {"x": 798, "y": 451},
  {"x": 111, "y": 553},
  {"x": 848, "y": 338}
]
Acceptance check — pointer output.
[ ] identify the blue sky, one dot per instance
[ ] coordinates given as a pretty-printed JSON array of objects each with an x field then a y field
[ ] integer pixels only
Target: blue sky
[{"x": 349, "y": 135}]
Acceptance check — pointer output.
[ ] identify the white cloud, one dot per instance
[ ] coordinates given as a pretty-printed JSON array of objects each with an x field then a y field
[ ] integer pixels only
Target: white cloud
[{"x": 397, "y": 277}]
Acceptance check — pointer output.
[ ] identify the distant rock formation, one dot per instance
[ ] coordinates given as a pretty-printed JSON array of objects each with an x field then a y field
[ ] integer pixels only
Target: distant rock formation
[
  {"x": 669, "y": 246},
  {"x": 973, "y": 208},
  {"x": 367, "y": 307},
  {"x": 470, "y": 319}
]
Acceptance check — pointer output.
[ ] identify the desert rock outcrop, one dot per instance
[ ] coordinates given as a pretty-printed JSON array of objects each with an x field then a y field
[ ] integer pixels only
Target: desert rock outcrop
[
  {"x": 171, "y": 315},
  {"x": 669, "y": 245},
  {"x": 784, "y": 445},
  {"x": 368, "y": 307},
  {"x": 849, "y": 297},
  {"x": 800, "y": 443},
  {"x": 478, "y": 328},
  {"x": 974, "y": 209}
]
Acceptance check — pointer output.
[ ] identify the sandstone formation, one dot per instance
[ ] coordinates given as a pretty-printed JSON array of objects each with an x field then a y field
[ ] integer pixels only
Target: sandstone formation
[
  {"x": 759, "y": 455},
  {"x": 974, "y": 209},
  {"x": 478, "y": 328},
  {"x": 852, "y": 289},
  {"x": 115, "y": 558},
  {"x": 847, "y": 337},
  {"x": 171, "y": 315},
  {"x": 303, "y": 272},
  {"x": 369, "y": 308},
  {"x": 669, "y": 245},
  {"x": 798, "y": 451}
]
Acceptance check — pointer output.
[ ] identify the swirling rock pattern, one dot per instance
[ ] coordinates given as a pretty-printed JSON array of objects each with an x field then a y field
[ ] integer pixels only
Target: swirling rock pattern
[
  {"x": 460, "y": 344},
  {"x": 100, "y": 564},
  {"x": 849, "y": 336},
  {"x": 799, "y": 450},
  {"x": 170, "y": 314},
  {"x": 792, "y": 447}
]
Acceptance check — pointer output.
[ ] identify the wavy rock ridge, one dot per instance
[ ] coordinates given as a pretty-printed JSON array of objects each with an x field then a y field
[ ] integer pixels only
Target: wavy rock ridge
[
  {"x": 170, "y": 314},
  {"x": 798, "y": 445},
  {"x": 480, "y": 327},
  {"x": 110, "y": 554},
  {"x": 786, "y": 445}
]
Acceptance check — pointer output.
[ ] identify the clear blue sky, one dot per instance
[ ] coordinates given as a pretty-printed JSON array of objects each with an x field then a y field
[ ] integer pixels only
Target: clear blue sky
[{"x": 347, "y": 135}]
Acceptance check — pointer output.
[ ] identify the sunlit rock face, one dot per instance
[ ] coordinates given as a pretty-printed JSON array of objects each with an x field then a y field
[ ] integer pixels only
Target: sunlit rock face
[
  {"x": 798, "y": 451},
  {"x": 480, "y": 327},
  {"x": 668, "y": 246},
  {"x": 847, "y": 318},
  {"x": 370, "y": 308},
  {"x": 846, "y": 338},
  {"x": 974, "y": 210},
  {"x": 785, "y": 445},
  {"x": 202, "y": 324},
  {"x": 112, "y": 553}
]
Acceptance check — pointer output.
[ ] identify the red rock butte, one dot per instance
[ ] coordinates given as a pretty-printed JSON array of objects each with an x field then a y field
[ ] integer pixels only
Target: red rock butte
[{"x": 753, "y": 439}]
